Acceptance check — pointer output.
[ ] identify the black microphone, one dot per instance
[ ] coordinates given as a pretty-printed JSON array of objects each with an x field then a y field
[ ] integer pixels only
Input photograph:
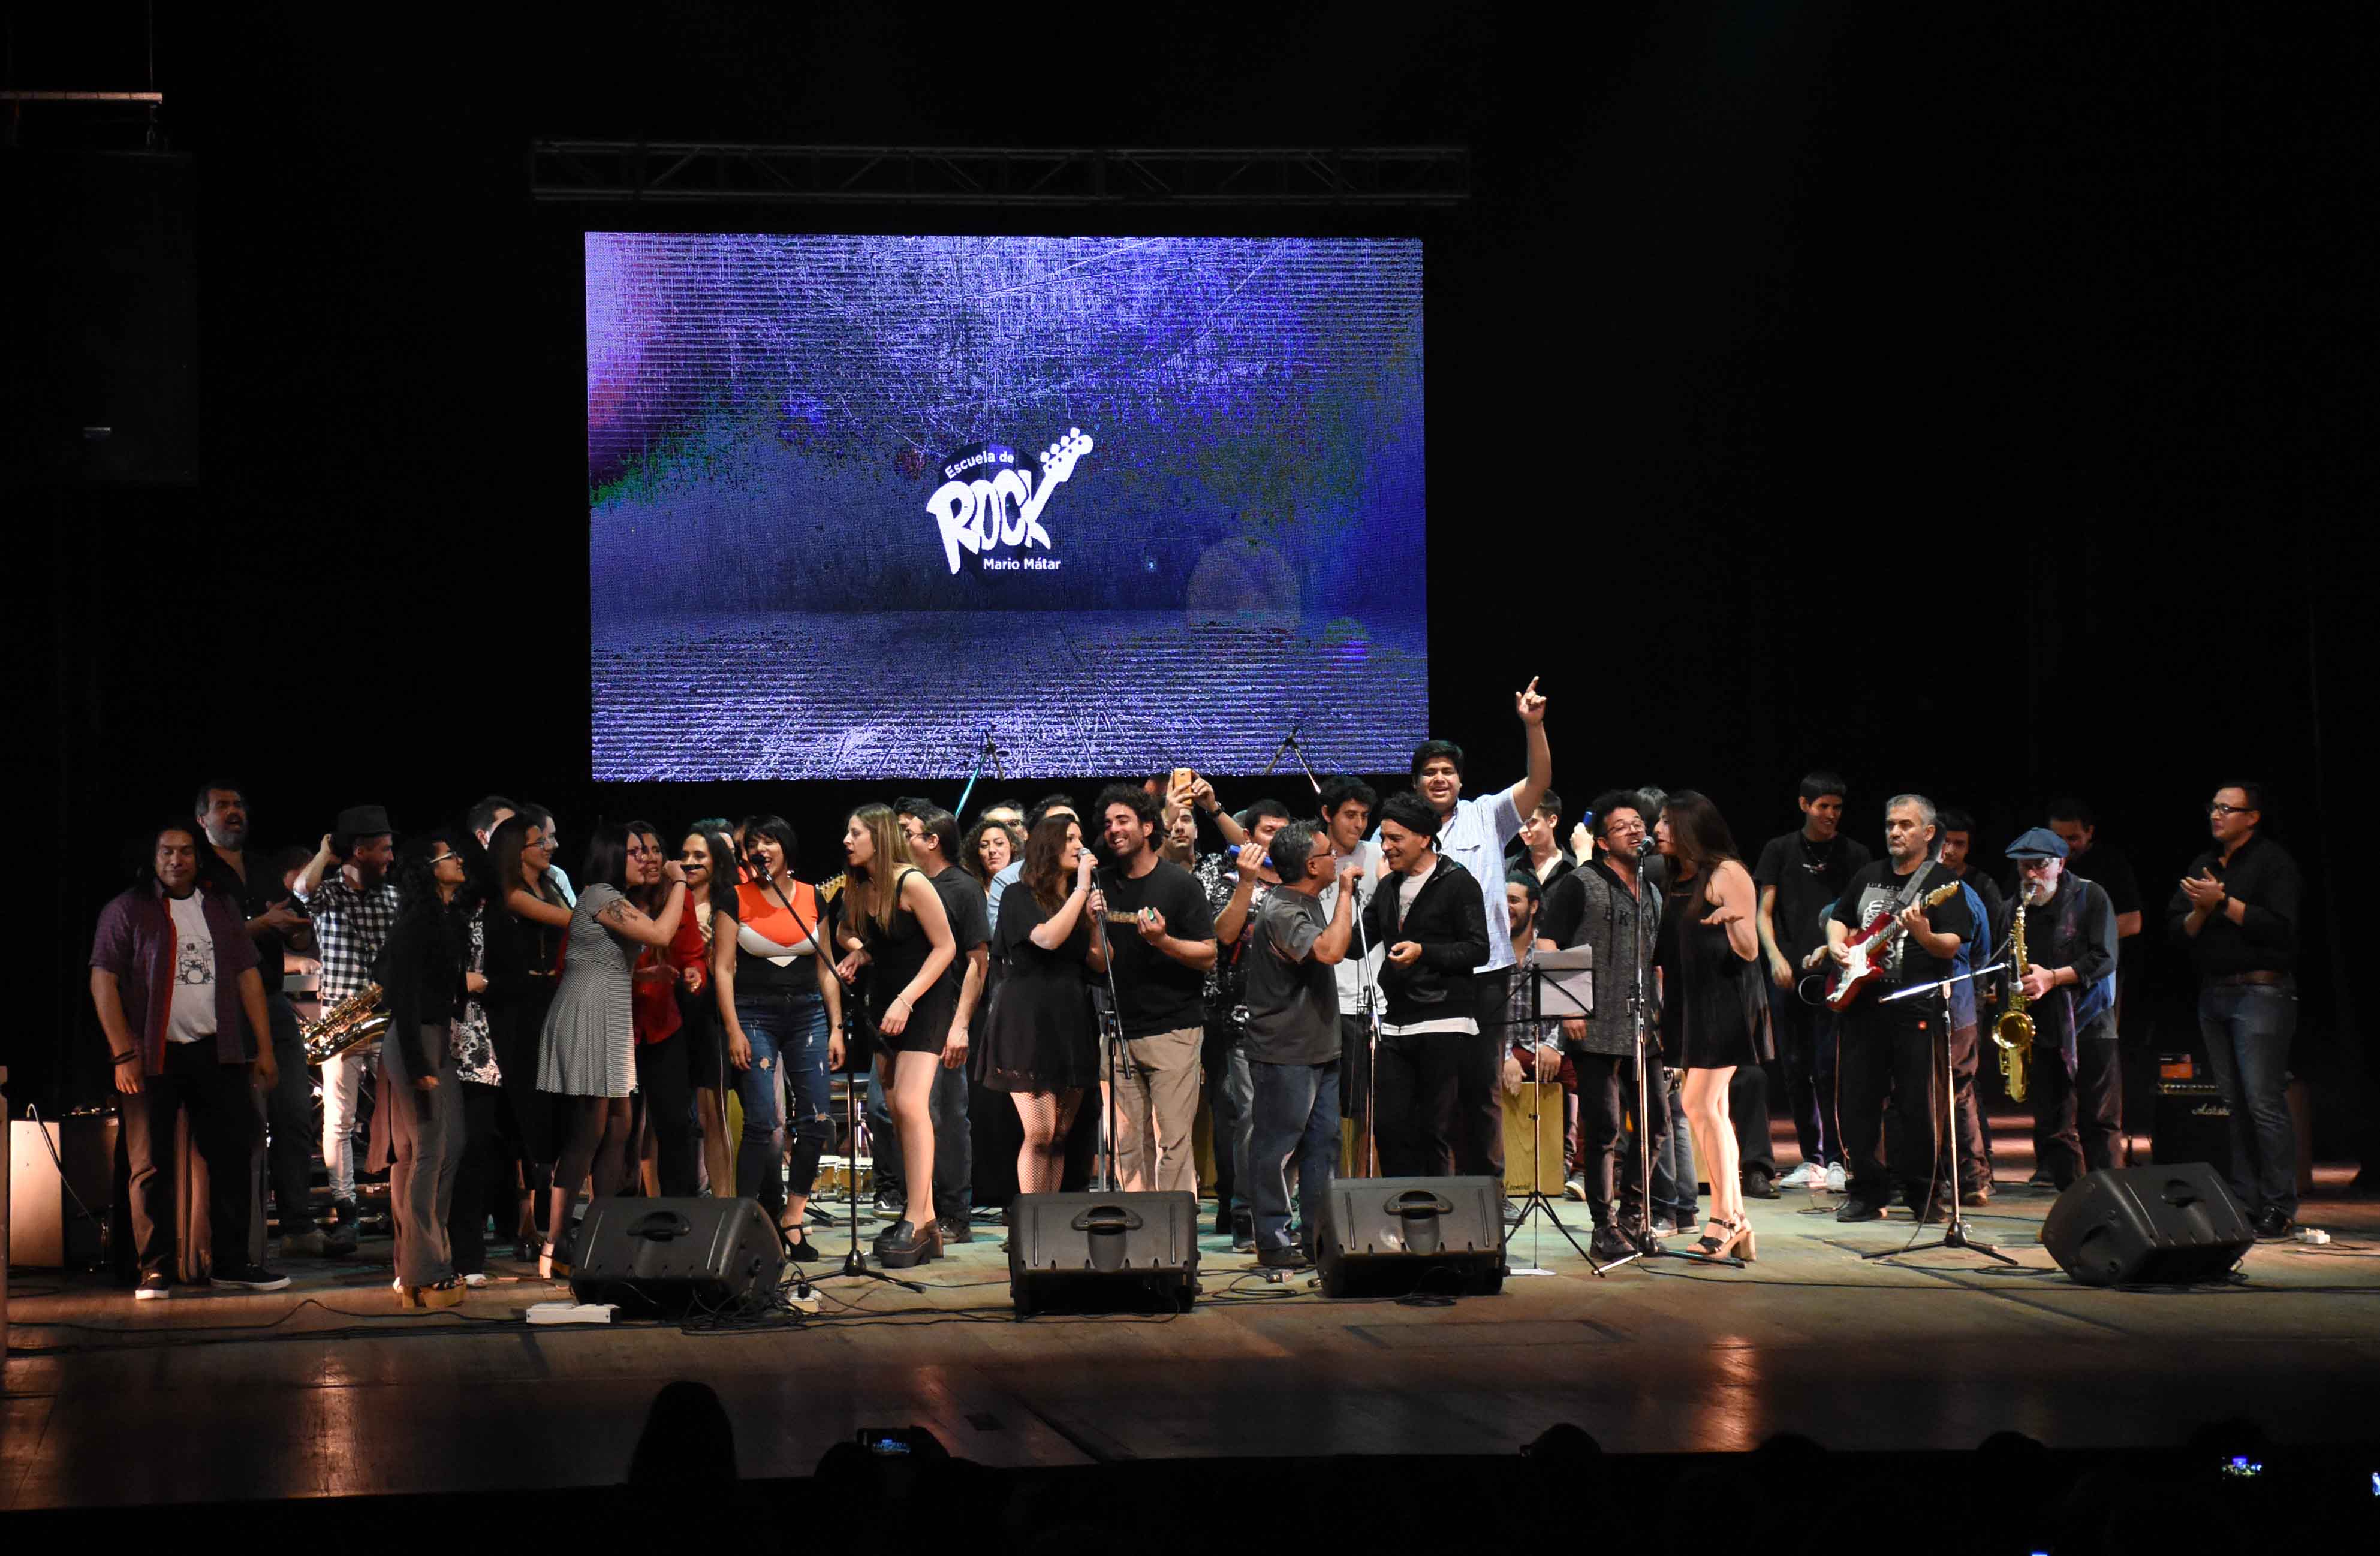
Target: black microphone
[{"x": 1646, "y": 846}]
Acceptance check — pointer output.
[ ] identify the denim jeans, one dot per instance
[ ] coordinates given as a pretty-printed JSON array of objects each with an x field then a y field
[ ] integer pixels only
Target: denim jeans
[
  {"x": 788, "y": 1034},
  {"x": 1676, "y": 1186},
  {"x": 2248, "y": 1027},
  {"x": 1229, "y": 1088},
  {"x": 1293, "y": 1114}
]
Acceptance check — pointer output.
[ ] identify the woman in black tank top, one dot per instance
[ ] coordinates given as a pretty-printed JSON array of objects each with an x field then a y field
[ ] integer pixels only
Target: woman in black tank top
[
  {"x": 894, "y": 925},
  {"x": 1714, "y": 1011}
]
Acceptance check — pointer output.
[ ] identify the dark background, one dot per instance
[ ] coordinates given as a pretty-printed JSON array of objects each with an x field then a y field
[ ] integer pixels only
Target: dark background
[{"x": 1977, "y": 399}]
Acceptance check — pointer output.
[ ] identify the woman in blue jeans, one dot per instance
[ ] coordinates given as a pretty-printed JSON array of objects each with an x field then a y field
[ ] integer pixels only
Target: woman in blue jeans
[{"x": 778, "y": 1008}]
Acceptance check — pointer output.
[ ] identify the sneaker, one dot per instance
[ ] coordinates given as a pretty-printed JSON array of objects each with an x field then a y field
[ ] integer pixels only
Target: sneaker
[
  {"x": 313, "y": 1243},
  {"x": 1859, "y": 1210},
  {"x": 476, "y": 1280},
  {"x": 153, "y": 1288},
  {"x": 955, "y": 1229},
  {"x": 1759, "y": 1186},
  {"x": 1243, "y": 1233},
  {"x": 2273, "y": 1225},
  {"x": 1575, "y": 1187},
  {"x": 1607, "y": 1245},
  {"x": 1975, "y": 1198},
  {"x": 1290, "y": 1257},
  {"x": 891, "y": 1201},
  {"x": 340, "y": 1241},
  {"x": 1809, "y": 1174},
  {"x": 1664, "y": 1227},
  {"x": 250, "y": 1277},
  {"x": 1838, "y": 1180}
]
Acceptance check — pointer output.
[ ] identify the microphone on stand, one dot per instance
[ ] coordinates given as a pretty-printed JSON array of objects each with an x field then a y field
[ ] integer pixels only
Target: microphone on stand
[
  {"x": 1287, "y": 742},
  {"x": 1647, "y": 845}
]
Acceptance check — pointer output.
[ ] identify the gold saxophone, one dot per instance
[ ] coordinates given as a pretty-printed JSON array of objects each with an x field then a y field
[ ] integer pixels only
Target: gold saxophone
[
  {"x": 359, "y": 1018},
  {"x": 2014, "y": 1030}
]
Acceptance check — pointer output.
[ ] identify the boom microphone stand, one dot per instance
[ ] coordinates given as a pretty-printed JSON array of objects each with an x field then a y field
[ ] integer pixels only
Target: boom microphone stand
[
  {"x": 988, "y": 751},
  {"x": 1955, "y": 1235},
  {"x": 1293, "y": 748},
  {"x": 1112, "y": 1036}
]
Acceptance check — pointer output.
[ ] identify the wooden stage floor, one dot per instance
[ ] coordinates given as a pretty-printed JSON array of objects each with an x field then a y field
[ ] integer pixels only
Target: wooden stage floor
[{"x": 325, "y": 1391}]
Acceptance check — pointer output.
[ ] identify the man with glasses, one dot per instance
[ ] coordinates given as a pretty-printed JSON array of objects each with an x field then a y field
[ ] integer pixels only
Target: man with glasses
[
  {"x": 1598, "y": 906},
  {"x": 1801, "y": 875},
  {"x": 2236, "y": 912},
  {"x": 2069, "y": 984}
]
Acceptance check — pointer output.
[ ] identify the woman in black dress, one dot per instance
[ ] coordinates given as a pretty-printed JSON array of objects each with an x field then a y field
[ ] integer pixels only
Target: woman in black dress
[
  {"x": 894, "y": 924},
  {"x": 523, "y": 929},
  {"x": 1715, "y": 1012},
  {"x": 1039, "y": 1044}
]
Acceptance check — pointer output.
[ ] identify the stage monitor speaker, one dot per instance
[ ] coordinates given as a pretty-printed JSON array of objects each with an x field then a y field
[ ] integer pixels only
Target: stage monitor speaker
[
  {"x": 2163, "y": 1225},
  {"x": 673, "y": 1256},
  {"x": 1103, "y": 1252},
  {"x": 1404, "y": 1236}
]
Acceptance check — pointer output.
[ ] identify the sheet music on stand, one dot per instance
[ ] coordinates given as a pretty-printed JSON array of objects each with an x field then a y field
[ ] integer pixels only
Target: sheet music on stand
[{"x": 1565, "y": 983}]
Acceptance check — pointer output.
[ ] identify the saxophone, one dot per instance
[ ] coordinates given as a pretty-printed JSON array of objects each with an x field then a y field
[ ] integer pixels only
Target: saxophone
[
  {"x": 359, "y": 1018},
  {"x": 2014, "y": 1030}
]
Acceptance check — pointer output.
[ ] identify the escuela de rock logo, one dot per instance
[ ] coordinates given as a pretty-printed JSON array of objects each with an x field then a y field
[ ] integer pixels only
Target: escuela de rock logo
[{"x": 987, "y": 500}]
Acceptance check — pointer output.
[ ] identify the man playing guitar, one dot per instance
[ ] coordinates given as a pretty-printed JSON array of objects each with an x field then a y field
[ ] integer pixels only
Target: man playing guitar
[{"x": 1889, "y": 1051}]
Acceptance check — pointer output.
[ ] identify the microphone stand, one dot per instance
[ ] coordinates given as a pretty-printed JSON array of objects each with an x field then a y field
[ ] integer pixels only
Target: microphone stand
[
  {"x": 1642, "y": 1243},
  {"x": 1111, "y": 1038},
  {"x": 1954, "y": 1234},
  {"x": 1291, "y": 746},
  {"x": 854, "y": 1261},
  {"x": 988, "y": 751}
]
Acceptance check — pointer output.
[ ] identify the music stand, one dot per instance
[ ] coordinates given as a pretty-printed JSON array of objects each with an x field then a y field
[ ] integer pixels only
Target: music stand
[
  {"x": 1570, "y": 974},
  {"x": 1955, "y": 1234}
]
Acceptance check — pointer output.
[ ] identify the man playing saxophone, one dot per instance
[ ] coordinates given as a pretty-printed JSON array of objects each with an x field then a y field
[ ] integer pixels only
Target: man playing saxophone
[{"x": 2069, "y": 985}]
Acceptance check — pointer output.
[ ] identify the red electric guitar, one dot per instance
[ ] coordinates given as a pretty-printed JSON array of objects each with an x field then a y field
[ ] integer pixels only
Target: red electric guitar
[{"x": 1864, "y": 953}]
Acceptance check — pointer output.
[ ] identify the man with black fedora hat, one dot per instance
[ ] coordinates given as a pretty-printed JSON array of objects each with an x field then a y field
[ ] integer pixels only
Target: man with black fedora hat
[
  {"x": 2069, "y": 983},
  {"x": 353, "y": 907}
]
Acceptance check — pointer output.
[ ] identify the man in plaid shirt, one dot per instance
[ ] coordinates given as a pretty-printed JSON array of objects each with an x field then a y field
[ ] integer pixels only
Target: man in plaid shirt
[{"x": 353, "y": 907}]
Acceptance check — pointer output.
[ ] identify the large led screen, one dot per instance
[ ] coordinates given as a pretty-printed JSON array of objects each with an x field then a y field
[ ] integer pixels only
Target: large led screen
[{"x": 1126, "y": 503}]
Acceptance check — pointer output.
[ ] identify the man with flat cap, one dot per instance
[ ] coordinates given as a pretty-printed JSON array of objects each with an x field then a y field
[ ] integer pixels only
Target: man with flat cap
[
  {"x": 353, "y": 903},
  {"x": 2069, "y": 978}
]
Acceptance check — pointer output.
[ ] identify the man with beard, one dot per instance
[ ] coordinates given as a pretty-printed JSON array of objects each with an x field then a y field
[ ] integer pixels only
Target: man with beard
[
  {"x": 353, "y": 908},
  {"x": 1162, "y": 939},
  {"x": 2069, "y": 978},
  {"x": 255, "y": 886},
  {"x": 1890, "y": 1052},
  {"x": 173, "y": 978}
]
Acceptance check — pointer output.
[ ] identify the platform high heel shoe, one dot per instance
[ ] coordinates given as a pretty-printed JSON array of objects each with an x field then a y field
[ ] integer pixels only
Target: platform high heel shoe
[
  {"x": 1725, "y": 1239},
  {"x": 904, "y": 1244}
]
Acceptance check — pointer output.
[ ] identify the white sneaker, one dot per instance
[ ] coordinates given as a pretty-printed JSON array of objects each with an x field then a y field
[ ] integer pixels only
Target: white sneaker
[
  {"x": 1574, "y": 1186},
  {"x": 1838, "y": 1181},
  {"x": 475, "y": 1281},
  {"x": 1809, "y": 1174}
]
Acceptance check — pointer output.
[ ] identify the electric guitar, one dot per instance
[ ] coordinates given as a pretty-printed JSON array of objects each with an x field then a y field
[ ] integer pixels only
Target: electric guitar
[{"x": 1865, "y": 952}]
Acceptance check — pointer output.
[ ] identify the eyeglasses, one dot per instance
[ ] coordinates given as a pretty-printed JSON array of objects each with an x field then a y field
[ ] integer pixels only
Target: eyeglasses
[{"x": 2218, "y": 808}]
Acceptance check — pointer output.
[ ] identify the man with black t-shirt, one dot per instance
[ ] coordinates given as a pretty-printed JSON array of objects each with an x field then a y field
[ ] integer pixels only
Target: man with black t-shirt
[
  {"x": 1801, "y": 876},
  {"x": 1889, "y": 1051},
  {"x": 1162, "y": 941},
  {"x": 933, "y": 835}
]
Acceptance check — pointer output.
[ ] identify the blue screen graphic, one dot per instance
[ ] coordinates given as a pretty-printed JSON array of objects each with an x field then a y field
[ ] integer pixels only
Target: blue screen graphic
[{"x": 1127, "y": 504}]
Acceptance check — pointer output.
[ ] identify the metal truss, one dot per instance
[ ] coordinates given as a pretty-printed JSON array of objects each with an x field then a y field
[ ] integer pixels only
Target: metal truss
[{"x": 695, "y": 173}]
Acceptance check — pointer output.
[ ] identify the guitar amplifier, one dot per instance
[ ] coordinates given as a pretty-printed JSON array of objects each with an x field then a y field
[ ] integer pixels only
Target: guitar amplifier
[{"x": 1401, "y": 1236}]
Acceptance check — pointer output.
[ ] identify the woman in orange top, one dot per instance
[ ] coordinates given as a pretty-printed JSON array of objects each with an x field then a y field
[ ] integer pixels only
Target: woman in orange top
[{"x": 779, "y": 1006}]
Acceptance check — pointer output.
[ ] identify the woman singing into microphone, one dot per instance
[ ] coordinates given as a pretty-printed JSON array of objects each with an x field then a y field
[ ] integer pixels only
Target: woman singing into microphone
[
  {"x": 897, "y": 926},
  {"x": 1715, "y": 1012},
  {"x": 780, "y": 1010}
]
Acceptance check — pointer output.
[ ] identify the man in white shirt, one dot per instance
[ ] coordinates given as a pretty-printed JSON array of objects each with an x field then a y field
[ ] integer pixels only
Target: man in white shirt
[{"x": 1473, "y": 833}]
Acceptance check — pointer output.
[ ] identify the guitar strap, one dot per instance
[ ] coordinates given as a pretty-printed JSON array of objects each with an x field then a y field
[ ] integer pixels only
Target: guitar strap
[{"x": 1901, "y": 904}]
